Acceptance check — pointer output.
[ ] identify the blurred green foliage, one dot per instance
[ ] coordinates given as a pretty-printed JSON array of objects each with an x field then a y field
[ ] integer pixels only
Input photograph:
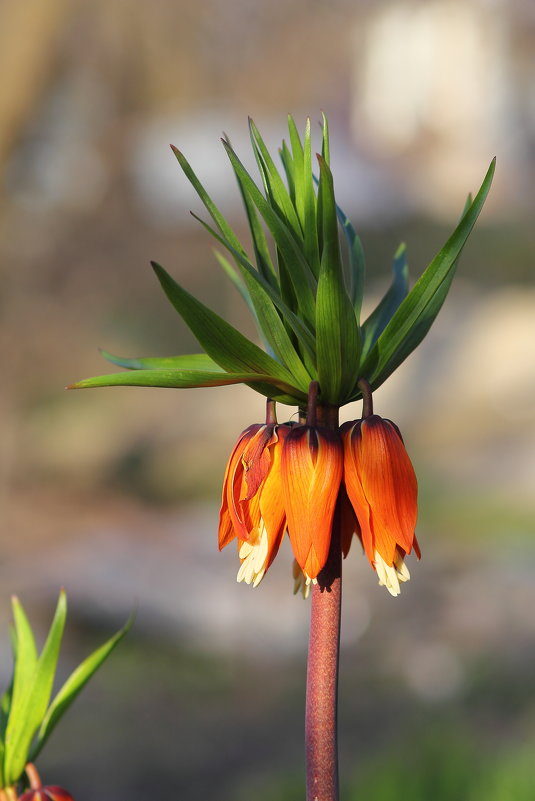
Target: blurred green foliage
[{"x": 440, "y": 768}]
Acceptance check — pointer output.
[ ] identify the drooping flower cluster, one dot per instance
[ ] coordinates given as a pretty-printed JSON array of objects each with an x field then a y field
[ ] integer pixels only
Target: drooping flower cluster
[{"x": 296, "y": 477}]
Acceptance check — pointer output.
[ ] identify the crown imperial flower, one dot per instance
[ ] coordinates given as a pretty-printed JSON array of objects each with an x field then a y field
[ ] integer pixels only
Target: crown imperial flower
[
  {"x": 312, "y": 463},
  {"x": 306, "y": 300},
  {"x": 320, "y": 483},
  {"x": 252, "y": 508},
  {"x": 382, "y": 487}
]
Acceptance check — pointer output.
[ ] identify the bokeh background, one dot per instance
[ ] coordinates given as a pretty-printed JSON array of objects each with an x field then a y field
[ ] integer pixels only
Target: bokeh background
[{"x": 114, "y": 493}]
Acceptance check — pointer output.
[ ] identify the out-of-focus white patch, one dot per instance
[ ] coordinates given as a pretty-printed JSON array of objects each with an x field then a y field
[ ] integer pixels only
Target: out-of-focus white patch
[
  {"x": 391, "y": 575},
  {"x": 254, "y": 558},
  {"x": 433, "y": 671}
]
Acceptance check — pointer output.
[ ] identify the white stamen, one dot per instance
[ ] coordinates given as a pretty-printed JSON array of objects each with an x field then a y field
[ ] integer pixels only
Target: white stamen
[
  {"x": 302, "y": 582},
  {"x": 390, "y": 575},
  {"x": 401, "y": 568},
  {"x": 254, "y": 557}
]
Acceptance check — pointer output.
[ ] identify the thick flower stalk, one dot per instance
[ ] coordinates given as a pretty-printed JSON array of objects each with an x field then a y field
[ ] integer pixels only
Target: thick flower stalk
[{"x": 318, "y": 484}]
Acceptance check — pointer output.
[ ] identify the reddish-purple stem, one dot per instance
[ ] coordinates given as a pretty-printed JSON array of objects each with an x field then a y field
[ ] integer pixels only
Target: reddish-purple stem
[{"x": 321, "y": 735}]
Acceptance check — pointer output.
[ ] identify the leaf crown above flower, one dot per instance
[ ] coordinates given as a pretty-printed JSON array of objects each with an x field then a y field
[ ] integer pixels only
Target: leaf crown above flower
[{"x": 306, "y": 299}]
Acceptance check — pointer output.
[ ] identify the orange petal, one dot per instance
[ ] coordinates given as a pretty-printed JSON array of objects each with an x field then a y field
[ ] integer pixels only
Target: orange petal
[
  {"x": 226, "y": 530},
  {"x": 311, "y": 468},
  {"x": 389, "y": 483},
  {"x": 232, "y": 487},
  {"x": 272, "y": 507},
  {"x": 256, "y": 459},
  {"x": 349, "y": 525},
  {"x": 359, "y": 502},
  {"x": 381, "y": 485}
]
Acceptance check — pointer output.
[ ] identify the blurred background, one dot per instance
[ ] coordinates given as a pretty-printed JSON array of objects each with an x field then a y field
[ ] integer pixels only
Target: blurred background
[{"x": 114, "y": 493}]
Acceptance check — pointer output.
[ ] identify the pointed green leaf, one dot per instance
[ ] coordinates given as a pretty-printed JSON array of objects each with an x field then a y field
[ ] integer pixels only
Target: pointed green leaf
[
  {"x": 214, "y": 212},
  {"x": 288, "y": 165},
  {"x": 25, "y": 661},
  {"x": 190, "y": 379},
  {"x": 302, "y": 278},
  {"x": 226, "y": 346},
  {"x": 74, "y": 685},
  {"x": 258, "y": 290},
  {"x": 274, "y": 184},
  {"x": 260, "y": 245},
  {"x": 174, "y": 378},
  {"x": 295, "y": 140},
  {"x": 262, "y": 255},
  {"x": 274, "y": 330},
  {"x": 384, "y": 311},
  {"x": 238, "y": 282},
  {"x": 195, "y": 361},
  {"x": 25, "y": 653},
  {"x": 325, "y": 146},
  {"x": 357, "y": 264},
  {"x": 337, "y": 333},
  {"x": 26, "y": 716},
  {"x": 415, "y": 315},
  {"x": 297, "y": 161},
  {"x": 309, "y": 207}
]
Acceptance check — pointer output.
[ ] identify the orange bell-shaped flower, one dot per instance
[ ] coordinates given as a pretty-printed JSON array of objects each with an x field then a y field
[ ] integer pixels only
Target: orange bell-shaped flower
[
  {"x": 312, "y": 463},
  {"x": 382, "y": 487},
  {"x": 252, "y": 506}
]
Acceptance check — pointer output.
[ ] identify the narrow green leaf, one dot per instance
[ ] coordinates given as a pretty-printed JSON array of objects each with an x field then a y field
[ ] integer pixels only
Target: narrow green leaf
[
  {"x": 337, "y": 333},
  {"x": 74, "y": 685},
  {"x": 25, "y": 661},
  {"x": 295, "y": 139},
  {"x": 25, "y": 655},
  {"x": 174, "y": 378},
  {"x": 272, "y": 330},
  {"x": 27, "y": 716},
  {"x": 221, "y": 341},
  {"x": 263, "y": 258},
  {"x": 325, "y": 146},
  {"x": 309, "y": 207},
  {"x": 195, "y": 361},
  {"x": 288, "y": 165},
  {"x": 297, "y": 161},
  {"x": 236, "y": 278},
  {"x": 301, "y": 276},
  {"x": 415, "y": 315},
  {"x": 211, "y": 207},
  {"x": 357, "y": 264},
  {"x": 384, "y": 311},
  {"x": 274, "y": 184}
]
